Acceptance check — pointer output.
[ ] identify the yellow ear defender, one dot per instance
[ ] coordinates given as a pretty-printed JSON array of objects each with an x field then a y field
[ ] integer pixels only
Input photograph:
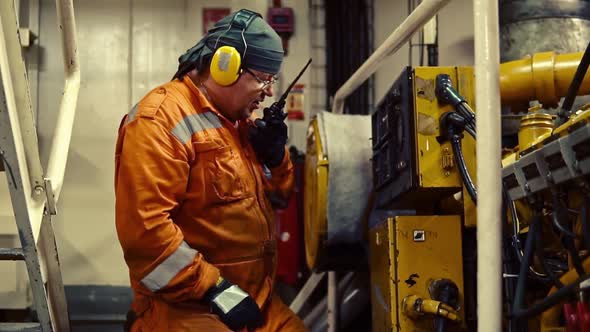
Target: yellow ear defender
[{"x": 226, "y": 63}]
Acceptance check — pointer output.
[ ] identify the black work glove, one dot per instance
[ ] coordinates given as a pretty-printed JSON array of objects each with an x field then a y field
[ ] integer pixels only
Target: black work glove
[
  {"x": 235, "y": 308},
  {"x": 268, "y": 138}
]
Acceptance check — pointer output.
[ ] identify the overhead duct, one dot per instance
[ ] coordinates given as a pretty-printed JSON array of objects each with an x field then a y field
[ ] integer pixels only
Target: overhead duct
[{"x": 533, "y": 26}]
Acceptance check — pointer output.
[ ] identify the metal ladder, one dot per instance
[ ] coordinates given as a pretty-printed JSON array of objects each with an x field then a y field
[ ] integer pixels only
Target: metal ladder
[{"x": 33, "y": 198}]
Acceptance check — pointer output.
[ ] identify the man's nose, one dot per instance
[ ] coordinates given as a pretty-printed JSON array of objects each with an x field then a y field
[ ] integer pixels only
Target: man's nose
[{"x": 268, "y": 90}]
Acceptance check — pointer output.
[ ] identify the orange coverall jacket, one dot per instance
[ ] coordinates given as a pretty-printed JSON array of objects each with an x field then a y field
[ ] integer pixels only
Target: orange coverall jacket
[{"x": 191, "y": 205}]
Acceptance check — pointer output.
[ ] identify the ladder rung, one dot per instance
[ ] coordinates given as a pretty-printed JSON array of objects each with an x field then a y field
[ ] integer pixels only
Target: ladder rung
[
  {"x": 21, "y": 327},
  {"x": 11, "y": 254}
]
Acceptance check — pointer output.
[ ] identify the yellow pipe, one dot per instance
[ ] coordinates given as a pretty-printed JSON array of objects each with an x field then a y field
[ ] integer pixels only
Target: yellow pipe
[
  {"x": 414, "y": 306},
  {"x": 544, "y": 77},
  {"x": 532, "y": 127},
  {"x": 550, "y": 318}
]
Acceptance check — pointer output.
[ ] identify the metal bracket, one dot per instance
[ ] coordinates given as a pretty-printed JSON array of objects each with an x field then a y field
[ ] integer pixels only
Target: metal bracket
[
  {"x": 26, "y": 37},
  {"x": 51, "y": 206}
]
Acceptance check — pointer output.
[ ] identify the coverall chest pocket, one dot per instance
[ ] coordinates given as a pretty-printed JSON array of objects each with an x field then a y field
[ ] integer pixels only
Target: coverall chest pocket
[{"x": 221, "y": 175}]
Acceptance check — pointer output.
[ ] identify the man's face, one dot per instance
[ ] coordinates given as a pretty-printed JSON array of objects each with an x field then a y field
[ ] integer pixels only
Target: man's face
[{"x": 239, "y": 100}]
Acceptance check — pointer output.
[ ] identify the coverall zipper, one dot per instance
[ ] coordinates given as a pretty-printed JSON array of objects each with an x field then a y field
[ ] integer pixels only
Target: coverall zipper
[{"x": 245, "y": 154}]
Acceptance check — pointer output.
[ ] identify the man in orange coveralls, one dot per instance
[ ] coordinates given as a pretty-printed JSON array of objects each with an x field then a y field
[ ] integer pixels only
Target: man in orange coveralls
[{"x": 191, "y": 181}]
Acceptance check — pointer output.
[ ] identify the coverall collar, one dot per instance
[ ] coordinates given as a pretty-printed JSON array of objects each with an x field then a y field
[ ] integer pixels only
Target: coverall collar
[{"x": 203, "y": 101}]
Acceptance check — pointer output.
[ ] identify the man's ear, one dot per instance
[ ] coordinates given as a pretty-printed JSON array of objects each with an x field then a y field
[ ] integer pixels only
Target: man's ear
[
  {"x": 197, "y": 75},
  {"x": 193, "y": 73}
]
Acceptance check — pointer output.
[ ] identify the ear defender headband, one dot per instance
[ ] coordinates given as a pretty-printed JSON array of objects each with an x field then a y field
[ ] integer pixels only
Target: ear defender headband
[{"x": 226, "y": 63}]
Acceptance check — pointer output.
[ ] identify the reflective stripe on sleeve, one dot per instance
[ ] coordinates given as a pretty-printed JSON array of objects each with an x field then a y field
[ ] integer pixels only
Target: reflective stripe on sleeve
[
  {"x": 170, "y": 267},
  {"x": 267, "y": 173},
  {"x": 195, "y": 123},
  {"x": 229, "y": 298}
]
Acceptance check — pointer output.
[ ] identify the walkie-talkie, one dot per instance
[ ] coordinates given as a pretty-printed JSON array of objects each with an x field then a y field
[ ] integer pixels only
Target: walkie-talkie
[{"x": 274, "y": 113}]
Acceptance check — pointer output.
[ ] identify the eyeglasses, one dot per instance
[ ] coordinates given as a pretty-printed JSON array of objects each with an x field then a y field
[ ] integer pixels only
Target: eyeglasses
[{"x": 265, "y": 83}]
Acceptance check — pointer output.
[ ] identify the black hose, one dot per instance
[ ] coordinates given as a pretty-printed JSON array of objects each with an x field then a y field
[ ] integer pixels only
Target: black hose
[
  {"x": 541, "y": 256},
  {"x": 554, "y": 299},
  {"x": 557, "y": 208},
  {"x": 466, "y": 111},
  {"x": 552, "y": 276},
  {"x": 509, "y": 265},
  {"x": 516, "y": 243},
  {"x": 572, "y": 91},
  {"x": 570, "y": 246},
  {"x": 557, "y": 264},
  {"x": 524, "y": 266},
  {"x": 515, "y": 230},
  {"x": 519, "y": 312},
  {"x": 445, "y": 93},
  {"x": 568, "y": 239},
  {"x": 560, "y": 227},
  {"x": 446, "y": 292},
  {"x": 470, "y": 131},
  {"x": 460, "y": 160}
]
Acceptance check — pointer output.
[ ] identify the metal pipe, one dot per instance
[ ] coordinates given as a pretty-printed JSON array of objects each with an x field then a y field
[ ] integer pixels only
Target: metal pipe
[
  {"x": 545, "y": 77},
  {"x": 489, "y": 244},
  {"x": 420, "y": 16},
  {"x": 67, "y": 109},
  {"x": 306, "y": 291},
  {"x": 56, "y": 294},
  {"x": 355, "y": 299},
  {"x": 20, "y": 87},
  {"x": 12, "y": 72},
  {"x": 318, "y": 313},
  {"x": 12, "y": 254},
  {"x": 28, "y": 211},
  {"x": 332, "y": 302}
]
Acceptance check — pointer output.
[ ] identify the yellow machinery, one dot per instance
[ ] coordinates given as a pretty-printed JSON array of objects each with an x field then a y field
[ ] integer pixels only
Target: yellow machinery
[
  {"x": 334, "y": 238},
  {"x": 316, "y": 195},
  {"x": 548, "y": 180},
  {"x": 412, "y": 259},
  {"x": 407, "y": 160},
  {"x": 410, "y": 163},
  {"x": 423, "y": 176}
]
